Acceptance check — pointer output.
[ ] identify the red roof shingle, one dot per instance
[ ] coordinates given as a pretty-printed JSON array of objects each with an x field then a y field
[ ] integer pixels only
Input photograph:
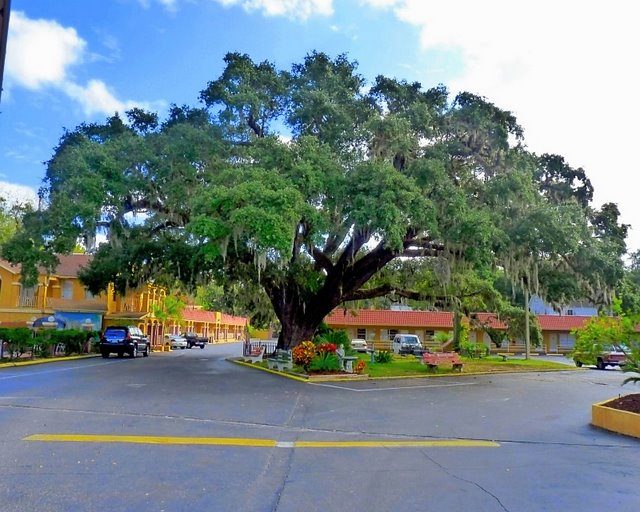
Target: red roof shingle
[
  {"x": 562, "y": 322},
  {"x": 69, "y": 265},
  {"x": 201, "y": 315},
  {"x": 381, "y": 318},
  {"x": 439, "y": 319}
]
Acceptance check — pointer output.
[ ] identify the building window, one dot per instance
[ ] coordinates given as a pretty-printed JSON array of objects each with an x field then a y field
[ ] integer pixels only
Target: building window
[
  {"x": 428, "y": 335},
  {"x": 67, "y": 289},
  {"x": 361, "y": 334},
  {"x": 570, "y": 312},
  {"x": 392, "y": 334}
]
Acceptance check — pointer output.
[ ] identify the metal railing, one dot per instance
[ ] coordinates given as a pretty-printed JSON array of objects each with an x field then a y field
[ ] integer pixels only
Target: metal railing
[
  {"x": 27, "y": 301},
  {"x": 269, "y": 347},
  {"x": 130, "y": 306}
]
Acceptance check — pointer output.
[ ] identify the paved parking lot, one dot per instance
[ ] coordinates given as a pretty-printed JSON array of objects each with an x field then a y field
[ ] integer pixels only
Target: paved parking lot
[{"x": 205, "y": 434}]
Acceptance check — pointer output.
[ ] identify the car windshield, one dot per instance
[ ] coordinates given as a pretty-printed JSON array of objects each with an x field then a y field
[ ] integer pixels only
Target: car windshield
[{"x": 409, "y": 340}]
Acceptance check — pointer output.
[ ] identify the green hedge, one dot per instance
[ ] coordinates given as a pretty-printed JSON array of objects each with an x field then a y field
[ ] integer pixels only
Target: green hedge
[{"x": 42, "y": 343}]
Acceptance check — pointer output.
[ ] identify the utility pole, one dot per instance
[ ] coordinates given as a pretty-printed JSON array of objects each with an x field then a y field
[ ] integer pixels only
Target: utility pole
[{"x": 4, "y": 32}]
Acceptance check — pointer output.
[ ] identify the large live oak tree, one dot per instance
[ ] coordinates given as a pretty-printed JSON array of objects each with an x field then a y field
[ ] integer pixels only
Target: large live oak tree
[{"x": 309, "y": 183}]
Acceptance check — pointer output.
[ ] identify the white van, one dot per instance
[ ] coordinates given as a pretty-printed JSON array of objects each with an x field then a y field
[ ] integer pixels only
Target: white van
[{"x": 405, "y": 343}]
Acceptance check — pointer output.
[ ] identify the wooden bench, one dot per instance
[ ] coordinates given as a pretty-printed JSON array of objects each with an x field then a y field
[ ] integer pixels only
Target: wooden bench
[
  {"x": 504, "y": 356},
  {"x": 255, "y": 356},
  {"x": 436, "y": 359},
  {"x": 282, "y": 360}
]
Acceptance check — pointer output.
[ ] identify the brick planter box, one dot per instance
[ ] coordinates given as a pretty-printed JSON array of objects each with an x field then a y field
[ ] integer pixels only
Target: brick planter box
[{"x": 615, "y": 420}]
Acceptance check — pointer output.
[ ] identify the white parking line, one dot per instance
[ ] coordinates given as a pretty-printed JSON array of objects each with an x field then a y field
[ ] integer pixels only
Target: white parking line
[
  {"x": 18, "y": 375},
  {"x": 19, "y": 397},
  {"x": 370, "y": 390}
]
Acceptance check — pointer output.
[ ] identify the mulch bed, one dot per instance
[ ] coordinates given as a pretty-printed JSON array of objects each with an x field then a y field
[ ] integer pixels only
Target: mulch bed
[{"x": 630, "y": 403}]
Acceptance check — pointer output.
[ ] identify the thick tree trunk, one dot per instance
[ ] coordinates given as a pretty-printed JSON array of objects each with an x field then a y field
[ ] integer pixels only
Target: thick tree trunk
[
  {"x": 299, "y": 318},
  {"x": 301, "y": 310},
  {"x": 293, "y": 333}
]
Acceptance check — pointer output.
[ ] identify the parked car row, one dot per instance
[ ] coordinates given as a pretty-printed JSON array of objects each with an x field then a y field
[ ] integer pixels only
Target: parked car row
[
  {"x": 130, "y": 340},
  {"x": 186, "y": 340}
]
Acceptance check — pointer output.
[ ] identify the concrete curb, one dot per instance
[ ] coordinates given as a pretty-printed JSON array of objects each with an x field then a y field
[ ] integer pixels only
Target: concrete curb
[
  {"x": 274, "y": 372},
  {"x": 43, "y": 361}
]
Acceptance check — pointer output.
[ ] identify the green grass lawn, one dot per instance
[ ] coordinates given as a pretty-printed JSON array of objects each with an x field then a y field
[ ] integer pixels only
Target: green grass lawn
[{"x": 409, "y": 365}]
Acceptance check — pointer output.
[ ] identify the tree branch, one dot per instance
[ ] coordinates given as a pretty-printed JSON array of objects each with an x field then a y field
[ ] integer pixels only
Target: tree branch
[
  {"x": 335, "y": 239},
  {"x": 321, "y": 259},
  {"x": 164, "y": 225},
  {"x": 251, "y": 121},
  {"x": 298, "y": 239}
]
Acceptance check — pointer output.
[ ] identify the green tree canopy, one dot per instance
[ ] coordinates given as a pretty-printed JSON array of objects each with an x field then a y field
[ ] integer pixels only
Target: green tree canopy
[{"x": 309, "y": 184}]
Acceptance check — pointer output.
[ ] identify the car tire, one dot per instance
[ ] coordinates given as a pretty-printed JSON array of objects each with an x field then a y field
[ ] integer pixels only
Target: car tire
[
  {"x": 600, "y": 364},
  {"x": 134, "y": 352},
  {"x": 202, "y": 346},
  {"x": 105, "y": 355},
  {"x": 578, "y": 364},
  {"x": 120, "y": 354},
  {"x": 146, "y": 352}
]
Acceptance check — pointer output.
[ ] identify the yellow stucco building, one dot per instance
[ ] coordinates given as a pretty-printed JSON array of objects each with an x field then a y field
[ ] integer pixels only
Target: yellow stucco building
[{"x": 61, "y": 295}]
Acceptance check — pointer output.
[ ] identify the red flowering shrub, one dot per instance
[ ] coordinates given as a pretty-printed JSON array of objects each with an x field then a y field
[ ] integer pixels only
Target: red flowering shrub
[
  {"x": 303, "y": 354},
  {"x": 359, "y": 367},
  {"x": 323, "y": 348}
]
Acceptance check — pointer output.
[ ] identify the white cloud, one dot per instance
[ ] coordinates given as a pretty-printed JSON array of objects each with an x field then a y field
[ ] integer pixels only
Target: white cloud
[
  {"x": 17, "y": 194},
  {"x": 567, "y": 72},
  {"x": 95, "y": 98},
  {"x": 40, "y": 53},
  {"x": 300, "y": 9}
]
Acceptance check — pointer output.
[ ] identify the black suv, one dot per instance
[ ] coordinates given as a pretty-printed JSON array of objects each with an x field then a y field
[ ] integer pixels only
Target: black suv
[
  {"x": 193, "y": 340},
  {"x": 124, "y": 339}
]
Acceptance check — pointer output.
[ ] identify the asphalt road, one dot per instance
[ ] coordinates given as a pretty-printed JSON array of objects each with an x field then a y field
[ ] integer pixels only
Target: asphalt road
[{"x": 544, "y": 455}]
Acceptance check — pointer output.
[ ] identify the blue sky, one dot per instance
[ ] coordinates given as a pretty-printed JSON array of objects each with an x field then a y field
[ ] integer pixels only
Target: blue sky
[{"x": 556, "y": 68}]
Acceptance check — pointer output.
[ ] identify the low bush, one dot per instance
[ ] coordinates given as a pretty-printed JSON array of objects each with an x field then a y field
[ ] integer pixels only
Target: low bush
[
  {"x": 72, "y": 339},
  {"x": 337, "y": 337},
  {"x": 303, "y": 354},
  {"x": 470, "y": 349},
  {"x": 383, "y": 356},
  {"x": 326, "y": 347},
  {"x": 325, "y": 362},
  {"x": 18, "y": 340}
]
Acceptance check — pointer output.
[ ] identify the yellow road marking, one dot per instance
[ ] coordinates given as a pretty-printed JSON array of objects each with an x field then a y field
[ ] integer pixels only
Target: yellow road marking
[
  {"x": 448, "y": 443},
  {"x": 92, "y": 438},
  {"x": 258, "y": 443}
]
